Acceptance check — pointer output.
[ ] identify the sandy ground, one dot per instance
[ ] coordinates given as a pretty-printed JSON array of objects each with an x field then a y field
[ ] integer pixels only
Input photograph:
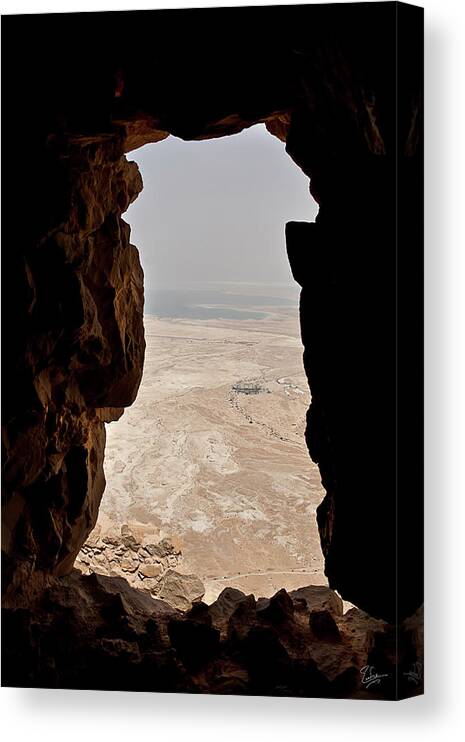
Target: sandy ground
[{"x": 227, "y": 474}]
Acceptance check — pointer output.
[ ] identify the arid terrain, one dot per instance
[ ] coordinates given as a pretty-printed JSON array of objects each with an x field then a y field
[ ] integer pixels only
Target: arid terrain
[{"x": 221, "y": 477}]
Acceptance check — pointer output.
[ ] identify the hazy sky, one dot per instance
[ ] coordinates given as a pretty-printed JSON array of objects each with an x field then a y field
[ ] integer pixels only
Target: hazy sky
[{"x": 215, "y": 210}]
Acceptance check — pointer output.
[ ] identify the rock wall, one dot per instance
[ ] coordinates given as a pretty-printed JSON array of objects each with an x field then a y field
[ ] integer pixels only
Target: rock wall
[
  {"x": 80, "y": 91},
  {"x": 75, "y": 357},
  {"x": 96, "y": 632}
]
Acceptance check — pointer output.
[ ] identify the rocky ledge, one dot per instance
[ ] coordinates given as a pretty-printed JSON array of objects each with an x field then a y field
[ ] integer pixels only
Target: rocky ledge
[{"x": 98, "y": 632}]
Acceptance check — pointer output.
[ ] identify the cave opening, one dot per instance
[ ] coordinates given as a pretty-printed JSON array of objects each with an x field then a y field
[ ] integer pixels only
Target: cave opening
[
  {"x": 82, "y": 90},
  {"x": 208, "y": 479}
]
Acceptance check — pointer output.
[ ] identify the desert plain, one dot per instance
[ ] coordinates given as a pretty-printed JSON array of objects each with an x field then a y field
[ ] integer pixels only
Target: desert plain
[{"x": 222, "y": 474}]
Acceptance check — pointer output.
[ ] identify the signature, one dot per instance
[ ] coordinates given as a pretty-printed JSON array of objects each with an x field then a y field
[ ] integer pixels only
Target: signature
[
  {"x": 415, "y": 673},
  {"x": 370, "y": 676}
]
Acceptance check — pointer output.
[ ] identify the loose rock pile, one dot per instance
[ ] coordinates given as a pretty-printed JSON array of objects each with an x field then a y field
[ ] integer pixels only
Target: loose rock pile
[{"x": 145, "y": 562}]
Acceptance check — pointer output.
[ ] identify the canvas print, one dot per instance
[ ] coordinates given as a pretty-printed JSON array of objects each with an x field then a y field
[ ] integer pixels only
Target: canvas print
[{"x": 212, "y": 351}]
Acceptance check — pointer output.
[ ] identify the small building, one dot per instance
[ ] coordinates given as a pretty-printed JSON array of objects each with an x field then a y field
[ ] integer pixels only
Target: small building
[{"x": 247, "y": 387}]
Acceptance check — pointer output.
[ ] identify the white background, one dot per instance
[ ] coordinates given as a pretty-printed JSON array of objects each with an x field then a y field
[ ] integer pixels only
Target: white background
[{"x": 70, "y": 716}]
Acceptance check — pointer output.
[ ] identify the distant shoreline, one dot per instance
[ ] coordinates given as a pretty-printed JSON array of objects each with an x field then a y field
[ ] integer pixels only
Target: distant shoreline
[{"x": 208, "y": 303}]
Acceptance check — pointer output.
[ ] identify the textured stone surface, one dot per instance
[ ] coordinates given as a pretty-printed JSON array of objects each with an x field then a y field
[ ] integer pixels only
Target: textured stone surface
[
  {"x": 137, "y": 554},
  {"x": 77, "y": 361},
  {"x": 180, "y": 590},
  {"x": 77, "y": 98},
  {"x": 318, "y": 598},
  {"x": 98, "y": 632}
]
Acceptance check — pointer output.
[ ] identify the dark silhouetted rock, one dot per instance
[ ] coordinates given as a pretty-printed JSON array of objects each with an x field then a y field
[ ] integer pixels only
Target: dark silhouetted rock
[
  {"x": 99, "y": 632},
  {"x": 194, "y": 642},
  {"x": 225, "y": 605},
  {"x": 277, "y": 609},
  {"x": 324, "y": 626}
]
